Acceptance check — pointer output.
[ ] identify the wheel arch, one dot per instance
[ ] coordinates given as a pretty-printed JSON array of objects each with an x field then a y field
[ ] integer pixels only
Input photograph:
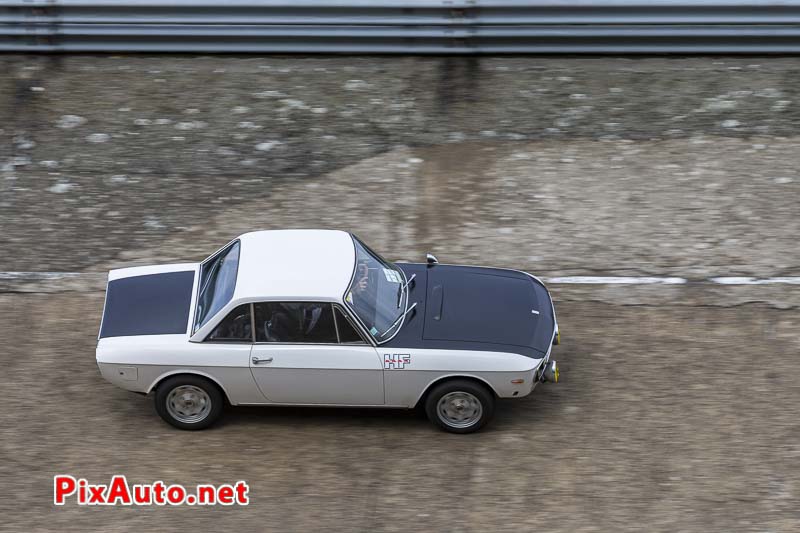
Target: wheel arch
[
  {"x": 186, "y": 372},
  {"x": 450, "y": 377}
]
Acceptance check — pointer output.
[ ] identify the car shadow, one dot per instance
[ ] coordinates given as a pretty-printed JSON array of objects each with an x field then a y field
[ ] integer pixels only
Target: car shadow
[
  {"x": 329, "y": 416},
  {"x": 508, "y": 413}
]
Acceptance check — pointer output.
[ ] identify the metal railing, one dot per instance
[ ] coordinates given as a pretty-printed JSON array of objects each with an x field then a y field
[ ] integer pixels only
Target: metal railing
[{"x": 413, "y": 26}]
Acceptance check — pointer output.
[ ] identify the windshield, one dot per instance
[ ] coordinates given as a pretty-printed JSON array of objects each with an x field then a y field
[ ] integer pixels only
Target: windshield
[
  {"x": 217, "y": 281},
  {"x": 376, "y": 294}
]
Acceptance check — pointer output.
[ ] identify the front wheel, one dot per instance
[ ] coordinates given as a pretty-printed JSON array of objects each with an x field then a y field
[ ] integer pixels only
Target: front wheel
[
  {"x": 189, "y": 402},
  {"x": 460, "y": 406}
]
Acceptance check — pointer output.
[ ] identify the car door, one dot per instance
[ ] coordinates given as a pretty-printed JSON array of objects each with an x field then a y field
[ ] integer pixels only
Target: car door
[
  {"x": 310, "y": 353},
  {"x": 224, "y": 354}
]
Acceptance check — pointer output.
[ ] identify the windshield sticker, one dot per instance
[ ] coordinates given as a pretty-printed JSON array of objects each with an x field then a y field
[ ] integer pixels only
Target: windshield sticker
[
  {"x": 349, "y": 297},
  {"x": 373, "y": 330},
  {"x": 392, "y": 275}
]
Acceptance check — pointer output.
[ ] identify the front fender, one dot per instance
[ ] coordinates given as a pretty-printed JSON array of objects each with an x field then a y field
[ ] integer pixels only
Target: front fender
[{"x": 435, "y": 381}]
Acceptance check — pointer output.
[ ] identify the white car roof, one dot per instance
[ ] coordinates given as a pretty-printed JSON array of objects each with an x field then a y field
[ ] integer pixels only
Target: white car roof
[{"x": 298, "y": 264}]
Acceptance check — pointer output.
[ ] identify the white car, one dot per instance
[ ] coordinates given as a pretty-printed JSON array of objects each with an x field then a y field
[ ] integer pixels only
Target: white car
[{"x": 316, "y": 318}]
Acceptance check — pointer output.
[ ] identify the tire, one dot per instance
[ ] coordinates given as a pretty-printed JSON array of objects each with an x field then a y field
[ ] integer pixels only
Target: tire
[
  {"x": 469, "y": 404},
  {"x": 189, "y": 402}
]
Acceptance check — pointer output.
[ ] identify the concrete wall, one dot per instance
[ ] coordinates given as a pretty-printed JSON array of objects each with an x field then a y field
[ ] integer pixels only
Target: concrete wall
[{"x": 555, "y": 164}]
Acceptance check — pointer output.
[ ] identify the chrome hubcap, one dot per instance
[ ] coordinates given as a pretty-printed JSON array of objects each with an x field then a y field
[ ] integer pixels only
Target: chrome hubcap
[
  {"x": 459, "y": 409},
  {"x": 188, "y": 404}
]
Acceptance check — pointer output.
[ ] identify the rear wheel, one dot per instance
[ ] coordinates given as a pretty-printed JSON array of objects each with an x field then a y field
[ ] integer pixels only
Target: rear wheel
[
  {"x": 189, "y": 402},
  {"x": 460, "y": 406}
]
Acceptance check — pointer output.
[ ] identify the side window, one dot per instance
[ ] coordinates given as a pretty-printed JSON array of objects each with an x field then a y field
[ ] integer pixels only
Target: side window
[
  {"x": 236, "y": 327},
  {"x": 302, "y": 322},
  {"x": 347, "y": 332}
]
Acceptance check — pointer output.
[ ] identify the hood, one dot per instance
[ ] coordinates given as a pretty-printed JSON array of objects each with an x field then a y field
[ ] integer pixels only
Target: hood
[
  {"x": 486, "y": 305},
  {"x": 479, "y": 308},
  {"x": 151, "y": 300}
]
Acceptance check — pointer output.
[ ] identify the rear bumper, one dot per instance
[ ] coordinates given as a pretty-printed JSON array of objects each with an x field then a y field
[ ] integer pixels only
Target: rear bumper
[{"x": 124, "y": 376}]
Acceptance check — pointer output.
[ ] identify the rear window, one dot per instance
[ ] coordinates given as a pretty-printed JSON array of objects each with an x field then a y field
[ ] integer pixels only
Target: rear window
[{"x": 217, "y": 282}]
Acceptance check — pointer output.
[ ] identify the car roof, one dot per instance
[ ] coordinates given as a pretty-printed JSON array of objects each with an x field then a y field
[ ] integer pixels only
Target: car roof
[{"x": 297, "y": 264}]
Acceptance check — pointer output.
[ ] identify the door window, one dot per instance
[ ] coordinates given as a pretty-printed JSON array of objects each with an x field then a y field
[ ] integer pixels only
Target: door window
[
  {"x": 295, "y": 322},
  {"x": 236, "y": 327},
  {"x": 347, "y": 332}
]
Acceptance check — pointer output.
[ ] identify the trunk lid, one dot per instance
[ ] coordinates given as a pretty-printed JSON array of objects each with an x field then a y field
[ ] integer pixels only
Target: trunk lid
[{"x": 154, "y": 300}]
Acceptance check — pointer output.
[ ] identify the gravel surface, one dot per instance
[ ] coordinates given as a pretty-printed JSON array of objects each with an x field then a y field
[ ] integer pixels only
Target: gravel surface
[{"x": 669, "y": 418}]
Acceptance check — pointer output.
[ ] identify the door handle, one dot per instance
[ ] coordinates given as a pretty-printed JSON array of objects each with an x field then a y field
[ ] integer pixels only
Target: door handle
[{"x": 256, "y": 360}]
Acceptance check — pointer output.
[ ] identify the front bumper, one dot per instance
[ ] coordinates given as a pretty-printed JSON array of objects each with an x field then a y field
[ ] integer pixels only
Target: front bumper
[{"x": 548, "y": 372}]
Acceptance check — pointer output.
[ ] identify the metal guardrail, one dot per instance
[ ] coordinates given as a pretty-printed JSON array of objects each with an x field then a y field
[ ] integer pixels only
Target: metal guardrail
[{"x": 413, "y": 26}]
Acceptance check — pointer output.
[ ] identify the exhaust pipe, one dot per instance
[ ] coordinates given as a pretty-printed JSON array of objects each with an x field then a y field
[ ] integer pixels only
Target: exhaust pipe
[{"x": 550, "y": 373}]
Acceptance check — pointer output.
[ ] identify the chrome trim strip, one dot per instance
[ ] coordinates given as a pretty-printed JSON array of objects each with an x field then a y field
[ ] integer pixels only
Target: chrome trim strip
[
  {"x": 103, "y": 316},
  {"x": 336, "y": 324},
  {"x": 193, "y": 305},
  {"x": 252, "y": 323},
  {"x": 282, "y": 343}
]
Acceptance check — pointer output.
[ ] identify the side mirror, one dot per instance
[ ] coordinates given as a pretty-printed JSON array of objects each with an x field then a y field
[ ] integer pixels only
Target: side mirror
[{"x": 431, "y": 259}]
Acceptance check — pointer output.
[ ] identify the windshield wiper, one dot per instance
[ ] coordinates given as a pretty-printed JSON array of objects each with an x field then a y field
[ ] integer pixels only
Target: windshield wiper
[
  {"x": 403, "y": 286},
  {"x": 398, "y": 320}
]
